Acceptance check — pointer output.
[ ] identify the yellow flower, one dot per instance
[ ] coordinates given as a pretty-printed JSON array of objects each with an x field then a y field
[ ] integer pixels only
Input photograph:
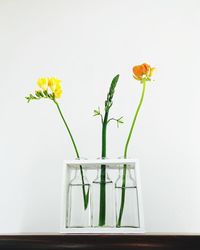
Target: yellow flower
[
  {"x": 55, "y": 86},
  {"x": 43, "y": 83}
]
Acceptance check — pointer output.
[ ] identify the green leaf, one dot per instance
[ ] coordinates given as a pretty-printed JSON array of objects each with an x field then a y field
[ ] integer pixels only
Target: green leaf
[
  {"x": 120, "y": 120},
  {"x": 97, "y": 112}
]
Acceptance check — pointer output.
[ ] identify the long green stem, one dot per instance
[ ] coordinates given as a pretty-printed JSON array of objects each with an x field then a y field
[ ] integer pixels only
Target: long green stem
[
  {"x": 125, "y": 156},
  {"x": 102, "y": 209},
  {"x": 108, "y": 105},
  {"x": 85, "y": 196}
]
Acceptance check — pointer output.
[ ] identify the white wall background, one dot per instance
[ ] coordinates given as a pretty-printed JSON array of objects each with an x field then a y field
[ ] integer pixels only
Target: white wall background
[{"x": 85, "y": 43}]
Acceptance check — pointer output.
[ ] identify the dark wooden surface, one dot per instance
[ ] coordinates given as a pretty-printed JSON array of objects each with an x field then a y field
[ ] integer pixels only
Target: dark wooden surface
[{"x": 100, "y": 242}]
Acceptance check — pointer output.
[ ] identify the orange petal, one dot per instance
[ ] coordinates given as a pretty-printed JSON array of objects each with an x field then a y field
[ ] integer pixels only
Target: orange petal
[
  {"x": 138, "y": 71},
  {"x": 145, "y": 68}
]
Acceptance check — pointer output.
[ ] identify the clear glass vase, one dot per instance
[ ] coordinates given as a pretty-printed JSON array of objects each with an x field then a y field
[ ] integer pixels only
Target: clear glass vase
[
  {"x": 103, "y": 200},
  {"x": 126, "y": 195},
  {"x": 79, "y": 205}
]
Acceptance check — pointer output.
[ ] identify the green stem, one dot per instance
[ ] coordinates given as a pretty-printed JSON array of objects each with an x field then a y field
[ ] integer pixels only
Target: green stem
[
  {"x": 134, "y": 120},
  {"x": 102, "y": 209},
  {"x": 108, "y": 104},
  {"x": 122, "y": 196},
  {"x": 85, "y": 196},
  {"x": 125, "y": 156}
]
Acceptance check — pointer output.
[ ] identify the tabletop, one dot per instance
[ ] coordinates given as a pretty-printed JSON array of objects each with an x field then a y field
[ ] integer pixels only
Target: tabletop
[{"x": 99, "y": 242}]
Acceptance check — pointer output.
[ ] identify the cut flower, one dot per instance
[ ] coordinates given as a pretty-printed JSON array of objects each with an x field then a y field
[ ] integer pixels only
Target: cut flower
[{"x": 143, "y": 72}]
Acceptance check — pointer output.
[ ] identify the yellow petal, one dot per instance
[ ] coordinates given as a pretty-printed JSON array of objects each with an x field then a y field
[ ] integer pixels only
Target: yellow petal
[
  {"x": 54, "y": 84},
  {"x": 152, "y": 71},
  {"x": 43, "y": 83},
  {"x": 58, "y": 93}
]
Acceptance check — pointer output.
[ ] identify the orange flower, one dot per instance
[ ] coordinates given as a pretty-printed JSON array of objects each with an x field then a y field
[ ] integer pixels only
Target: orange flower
[{"x": 143, "y": 71}]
